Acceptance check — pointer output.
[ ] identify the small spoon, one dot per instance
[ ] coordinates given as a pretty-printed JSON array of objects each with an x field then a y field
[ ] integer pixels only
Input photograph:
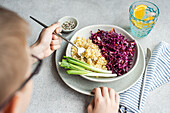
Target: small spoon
[{"x": 79, "y": 50}]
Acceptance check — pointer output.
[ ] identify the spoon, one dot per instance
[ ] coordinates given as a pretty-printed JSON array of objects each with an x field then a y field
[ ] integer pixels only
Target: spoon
[{"x": 80, "y": 50}]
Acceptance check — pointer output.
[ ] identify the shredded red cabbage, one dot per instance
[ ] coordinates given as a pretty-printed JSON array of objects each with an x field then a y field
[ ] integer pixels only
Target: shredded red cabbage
[{"x": 117, "y": 50}]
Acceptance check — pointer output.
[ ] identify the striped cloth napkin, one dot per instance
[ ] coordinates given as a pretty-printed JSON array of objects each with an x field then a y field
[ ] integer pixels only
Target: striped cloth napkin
[{"x": 157, "y": 74}]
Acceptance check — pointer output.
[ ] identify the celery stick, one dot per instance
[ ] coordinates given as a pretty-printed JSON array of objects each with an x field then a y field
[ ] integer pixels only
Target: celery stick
[
  {"x": 89, "y": 73},
  {"x": 88, "y": 67},
  {"x": 77, "y": 72},
  {"x": 68, "y": 65},
  {"x": 76, "y": 60}
]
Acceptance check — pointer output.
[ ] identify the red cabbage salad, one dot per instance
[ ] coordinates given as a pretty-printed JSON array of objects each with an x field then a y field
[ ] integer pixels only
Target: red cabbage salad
[{"x": 116, "y": 49}]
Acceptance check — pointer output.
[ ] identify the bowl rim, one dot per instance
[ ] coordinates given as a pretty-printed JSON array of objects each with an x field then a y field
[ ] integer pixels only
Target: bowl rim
[{"x": 118, "y": 77}]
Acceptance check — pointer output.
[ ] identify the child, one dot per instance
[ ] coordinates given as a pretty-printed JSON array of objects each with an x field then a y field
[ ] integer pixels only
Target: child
[{"x": 16, "y": 59}]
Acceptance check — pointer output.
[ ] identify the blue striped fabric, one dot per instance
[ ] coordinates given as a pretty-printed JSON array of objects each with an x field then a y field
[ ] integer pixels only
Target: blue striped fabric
[{"x": 157, "y": 74}]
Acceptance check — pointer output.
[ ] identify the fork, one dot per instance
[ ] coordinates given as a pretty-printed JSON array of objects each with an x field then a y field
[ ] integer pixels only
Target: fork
[
  {"x": 144, "y": 77},
  {"x": 80, "y": 50}
]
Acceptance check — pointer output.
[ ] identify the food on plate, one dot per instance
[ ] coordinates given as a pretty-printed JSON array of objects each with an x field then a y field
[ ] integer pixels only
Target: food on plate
[
  {"x": 92, "y": 54},
  {"x": 108, "y": 53},
  {"x": 116, "y": 49},
  {"x": 81, "y": 68}
]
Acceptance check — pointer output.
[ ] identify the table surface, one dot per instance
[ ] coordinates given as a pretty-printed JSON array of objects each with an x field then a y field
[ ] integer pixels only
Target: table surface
[{"x": 51, "y": 94}]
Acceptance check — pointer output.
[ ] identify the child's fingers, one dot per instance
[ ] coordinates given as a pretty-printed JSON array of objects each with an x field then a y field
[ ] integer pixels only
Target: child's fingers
[
  {"x": 117, "y": 97},
  {"x": 91, "y": 106},
  {"x": 54, "y": 37},
  {"x": 53, "y": 27},
  {"x": 105, "y": 92},
  {"x": 55, "y": 42},
  {"x": 58, "y": 30},
  {"x": 98, "y": 93},
  {"x": 55, "y": 47},
  {"x": 112, "y": 94}
]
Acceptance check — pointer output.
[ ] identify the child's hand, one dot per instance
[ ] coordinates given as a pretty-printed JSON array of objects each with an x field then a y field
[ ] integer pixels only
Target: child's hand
[
  {"x": 106, "y": 100},
  {"x": 47, "y": 42}
]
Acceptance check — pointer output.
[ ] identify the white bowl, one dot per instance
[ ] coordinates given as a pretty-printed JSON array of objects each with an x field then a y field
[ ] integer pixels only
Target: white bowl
[
  {"x": 85, "y": 32},
  {"x": 68, "y": 18}
]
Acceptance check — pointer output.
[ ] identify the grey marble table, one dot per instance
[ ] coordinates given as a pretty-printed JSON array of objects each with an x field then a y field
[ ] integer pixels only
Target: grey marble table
[{"x": 51, "y": 94}]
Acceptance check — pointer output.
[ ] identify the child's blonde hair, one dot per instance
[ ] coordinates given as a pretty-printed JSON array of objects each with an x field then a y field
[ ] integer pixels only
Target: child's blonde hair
[{"x": 13, "y": 57}]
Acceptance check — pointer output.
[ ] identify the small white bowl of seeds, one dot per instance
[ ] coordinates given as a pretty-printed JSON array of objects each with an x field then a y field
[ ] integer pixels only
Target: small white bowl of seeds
[{"x": 68, "y": 23}]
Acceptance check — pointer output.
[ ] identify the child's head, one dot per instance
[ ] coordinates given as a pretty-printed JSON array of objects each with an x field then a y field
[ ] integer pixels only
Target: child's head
[{"x": 15, "y": 63}]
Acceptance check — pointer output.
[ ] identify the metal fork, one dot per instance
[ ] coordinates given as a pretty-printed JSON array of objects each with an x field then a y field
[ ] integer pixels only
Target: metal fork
[
  {"x": 144, "y": 77},
  {"x": 80, "y": 50}
]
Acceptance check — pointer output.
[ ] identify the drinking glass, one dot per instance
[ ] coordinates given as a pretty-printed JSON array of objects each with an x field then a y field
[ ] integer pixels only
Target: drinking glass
[{"x": 141, "y": 26}]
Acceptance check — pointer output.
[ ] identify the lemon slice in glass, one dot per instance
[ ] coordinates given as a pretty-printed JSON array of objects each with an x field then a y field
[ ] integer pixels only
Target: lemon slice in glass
[{"x": 139, "y": 13}]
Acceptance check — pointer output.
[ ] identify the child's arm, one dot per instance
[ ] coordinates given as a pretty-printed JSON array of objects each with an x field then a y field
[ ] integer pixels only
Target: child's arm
[{"x": 47, "y": 42}]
